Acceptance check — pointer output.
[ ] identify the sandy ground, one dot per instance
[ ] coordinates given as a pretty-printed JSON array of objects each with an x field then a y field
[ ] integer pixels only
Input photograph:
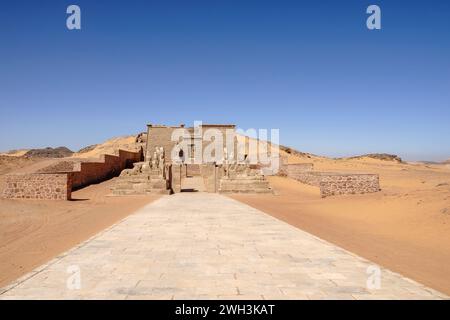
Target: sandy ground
[
  {"x": 33, "y": 232},
  {"x": 9, "y": 164},
  {"x": 405, "y": 227}
]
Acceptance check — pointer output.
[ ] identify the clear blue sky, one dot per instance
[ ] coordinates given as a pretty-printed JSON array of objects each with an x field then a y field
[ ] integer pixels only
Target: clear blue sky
[{"x": 310, "y": 68}]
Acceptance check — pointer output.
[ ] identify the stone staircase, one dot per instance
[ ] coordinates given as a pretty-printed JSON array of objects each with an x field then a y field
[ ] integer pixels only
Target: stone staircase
[
  {"x": 141, "y": 180},
  {"x": 244, "y": 184},
  {"x": 243, "y": 178}
]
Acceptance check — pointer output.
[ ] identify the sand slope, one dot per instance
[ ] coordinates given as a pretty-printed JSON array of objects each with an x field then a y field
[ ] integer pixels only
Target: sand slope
[
  {"x": 110, "y": 146},
  {"x": 34, "y": 231}
]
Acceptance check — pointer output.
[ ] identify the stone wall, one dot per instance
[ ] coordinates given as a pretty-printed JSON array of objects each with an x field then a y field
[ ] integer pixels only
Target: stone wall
[
  {"x": 297, "y": 169},
  {"x": 308, "y": 177},
  {"x": 160, "y": 136},
  {"x": 192, "y": 170},
  {"x": 209, "y": 174},
  {"x": 86, "y": 173},
  {"x": 175, "y": 177},
  {"x": 57, "y": 181},
  {"x": 334, "y": 184},
  {"x": 38, "y": 186},
  {"x": 331, "y": 183},
  {"x": 272, "y": 169}
]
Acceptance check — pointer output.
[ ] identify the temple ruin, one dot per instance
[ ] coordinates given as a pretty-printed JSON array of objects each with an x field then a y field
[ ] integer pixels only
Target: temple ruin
[
  {"x": 174, "y": 162},
  {"x": 204, "y": 158}
]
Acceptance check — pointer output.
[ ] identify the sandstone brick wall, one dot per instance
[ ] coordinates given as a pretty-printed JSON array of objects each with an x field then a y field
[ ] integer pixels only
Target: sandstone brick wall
[
  {"x": 160, "y": 136},
  {"x": 331, "y": 183},
  {"x": 272, "y": 169},
  {"x": 334, "y": 184},
  {"x": 86, "y": 173},
  {"x": 175, "y": 177},
  {"x": 57, "y": 181},
  {"x": 209, "y": 174},
  {"x": 38, "y": 186},
  {"x": 192, "y": 170},
  {"x": 298, "y": 170},
  {"x": 311, "y": 178},
  {"x": 127, "y": 158}
]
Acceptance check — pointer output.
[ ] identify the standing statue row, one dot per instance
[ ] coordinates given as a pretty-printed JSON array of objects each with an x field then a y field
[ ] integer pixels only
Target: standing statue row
[{"x": 157, "y": 161}]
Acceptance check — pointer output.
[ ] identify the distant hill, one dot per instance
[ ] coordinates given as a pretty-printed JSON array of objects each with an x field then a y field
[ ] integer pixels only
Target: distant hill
[
  {"x": 295, "y": 152},
  {"x": 14, "y": 153},
  {"x": 378, "y": 156},
  {"x": 88, "y": 148},
  {"x": 59, "y": 152}
]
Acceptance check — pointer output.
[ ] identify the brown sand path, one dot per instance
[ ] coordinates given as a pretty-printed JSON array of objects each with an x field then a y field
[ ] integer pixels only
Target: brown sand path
[
  {"x": 407, "y": 233},
  {"x": 33, "y": 231}
]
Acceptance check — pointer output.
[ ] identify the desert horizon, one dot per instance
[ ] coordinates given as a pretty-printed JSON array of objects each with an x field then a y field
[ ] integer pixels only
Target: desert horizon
[{"x": 431, "y": 159}]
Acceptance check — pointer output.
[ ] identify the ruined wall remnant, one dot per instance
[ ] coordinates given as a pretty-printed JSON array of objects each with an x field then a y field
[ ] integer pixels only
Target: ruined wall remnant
[
  {"x": 109, "y": 166},
  {"x": 297, "y": 169},
  {"x": 57, "y": 181},
  {"x": 209, "y": 174},
  {"x": 175, "y": 177},
  {"x": 333, "y": 183},
  {"x": 38, "y": 186},
  {"x": 242, "y": 178}
]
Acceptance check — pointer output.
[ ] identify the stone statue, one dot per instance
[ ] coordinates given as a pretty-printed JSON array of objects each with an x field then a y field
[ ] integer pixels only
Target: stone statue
[
  {"x": 154, "y": 159},
  {"x": 148, "y": 156},
  {"x": 161, "y": 158},
  {"x": 225, "y": 155}
]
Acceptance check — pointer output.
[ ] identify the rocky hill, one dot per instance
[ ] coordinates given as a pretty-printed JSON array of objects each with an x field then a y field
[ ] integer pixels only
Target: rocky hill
[
  {"x": 59, "y": 152},
  {"x": 378, "y": 156}
]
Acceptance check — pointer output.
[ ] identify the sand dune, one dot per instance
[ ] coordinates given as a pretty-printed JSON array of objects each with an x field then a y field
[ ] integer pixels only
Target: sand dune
[{"x": 110, "y": 146}]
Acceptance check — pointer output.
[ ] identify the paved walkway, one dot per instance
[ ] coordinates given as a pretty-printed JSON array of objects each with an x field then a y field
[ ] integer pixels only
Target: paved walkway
[{"x": 202, "y": 246}]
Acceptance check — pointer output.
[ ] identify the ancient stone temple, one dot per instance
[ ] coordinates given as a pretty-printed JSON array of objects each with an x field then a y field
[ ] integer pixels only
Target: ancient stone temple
[{"x": 201, "y": 158}]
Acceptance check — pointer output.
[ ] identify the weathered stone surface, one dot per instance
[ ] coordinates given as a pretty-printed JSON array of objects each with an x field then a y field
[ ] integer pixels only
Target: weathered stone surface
[
  {"x": 237, "y": 178},
  {"x": 298, "y": 169},
  {"x": 38, "y": 186},
  {"x": 349, "y": 184},
  {"x": 334, "y": 183}
]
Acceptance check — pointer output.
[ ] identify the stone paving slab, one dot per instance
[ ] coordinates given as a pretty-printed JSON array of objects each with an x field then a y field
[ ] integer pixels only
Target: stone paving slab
[{"x": 208, "y": 246}]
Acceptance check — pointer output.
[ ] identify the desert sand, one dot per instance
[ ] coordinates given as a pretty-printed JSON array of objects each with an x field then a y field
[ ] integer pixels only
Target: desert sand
[
  {"x": 405, "y": 227},
  {"x": 110, "y": 146},
  {"x": 34, "y": 231}
]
